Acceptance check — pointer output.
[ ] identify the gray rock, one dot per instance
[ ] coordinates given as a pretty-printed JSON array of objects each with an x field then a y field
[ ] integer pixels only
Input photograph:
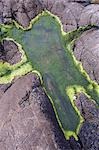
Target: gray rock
[
  {"x": 69, "y": 13},
  {"x": 9, "y": 52},
  {"x": 27, "y": 120},
  {"x": 90, "y": 15},
  {"x": 21, "y": 11},
  {"x": 86, "y": 50},
  {"x": 38, "y": 128},
  {"x": 89, "y": 134}
]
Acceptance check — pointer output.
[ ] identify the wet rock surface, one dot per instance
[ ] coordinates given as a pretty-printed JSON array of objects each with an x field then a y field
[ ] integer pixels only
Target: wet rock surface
[
  {"x": 89, "y": 133},
  {"x": 26, "y": 115}
]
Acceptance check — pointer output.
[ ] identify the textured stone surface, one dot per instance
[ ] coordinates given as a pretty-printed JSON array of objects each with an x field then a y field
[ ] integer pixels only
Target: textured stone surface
[
  {"x": 90, "y": 15},
  {"x": 22, "y": 123},
  {"x": 27, "y": 120},
  {"x": 87, "y": 51},
  {"x": 89, "y": 134},
  {"x": 68, "y": 13},
  {"x": 9, "y": 52},
  {"x": 20, "y": 10}
]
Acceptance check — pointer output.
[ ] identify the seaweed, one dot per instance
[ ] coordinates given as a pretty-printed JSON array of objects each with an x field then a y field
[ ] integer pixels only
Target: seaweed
[{"x": 47, "y": 50}]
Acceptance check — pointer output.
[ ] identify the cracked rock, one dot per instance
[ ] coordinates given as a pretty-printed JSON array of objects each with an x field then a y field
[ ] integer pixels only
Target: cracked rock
[
  {"x": 20, "y": 10},
  {"x": 87, "y": 51},
  {"x": 9, "y": 52},
  {"x": 69, "y": 13},
  {"x": 89, "y": 134},
  {"x": 90, "y": 15}
]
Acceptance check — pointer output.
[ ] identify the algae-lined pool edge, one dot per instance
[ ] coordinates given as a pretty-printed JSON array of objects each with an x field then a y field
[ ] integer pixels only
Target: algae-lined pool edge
[{"x": 48, "y": 49}]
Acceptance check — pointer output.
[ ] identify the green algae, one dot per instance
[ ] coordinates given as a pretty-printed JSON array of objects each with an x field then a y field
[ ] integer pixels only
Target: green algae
[
  {"x": 8, "y": 72},
  {"x": 49, "y": 53}
]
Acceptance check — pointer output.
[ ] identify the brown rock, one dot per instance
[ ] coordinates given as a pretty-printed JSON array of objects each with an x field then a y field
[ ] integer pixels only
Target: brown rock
[
  {"x": 21, "y": 11},
  {"x": 23, "y": 126},
  {"x": 95, "y": 1},
  {"x": 9, "y": 52},
  {"x": 90, "y": 15}
]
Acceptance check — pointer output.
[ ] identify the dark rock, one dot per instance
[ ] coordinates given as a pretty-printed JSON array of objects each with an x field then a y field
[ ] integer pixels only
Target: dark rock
[{"x": 9, "y": 52}]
